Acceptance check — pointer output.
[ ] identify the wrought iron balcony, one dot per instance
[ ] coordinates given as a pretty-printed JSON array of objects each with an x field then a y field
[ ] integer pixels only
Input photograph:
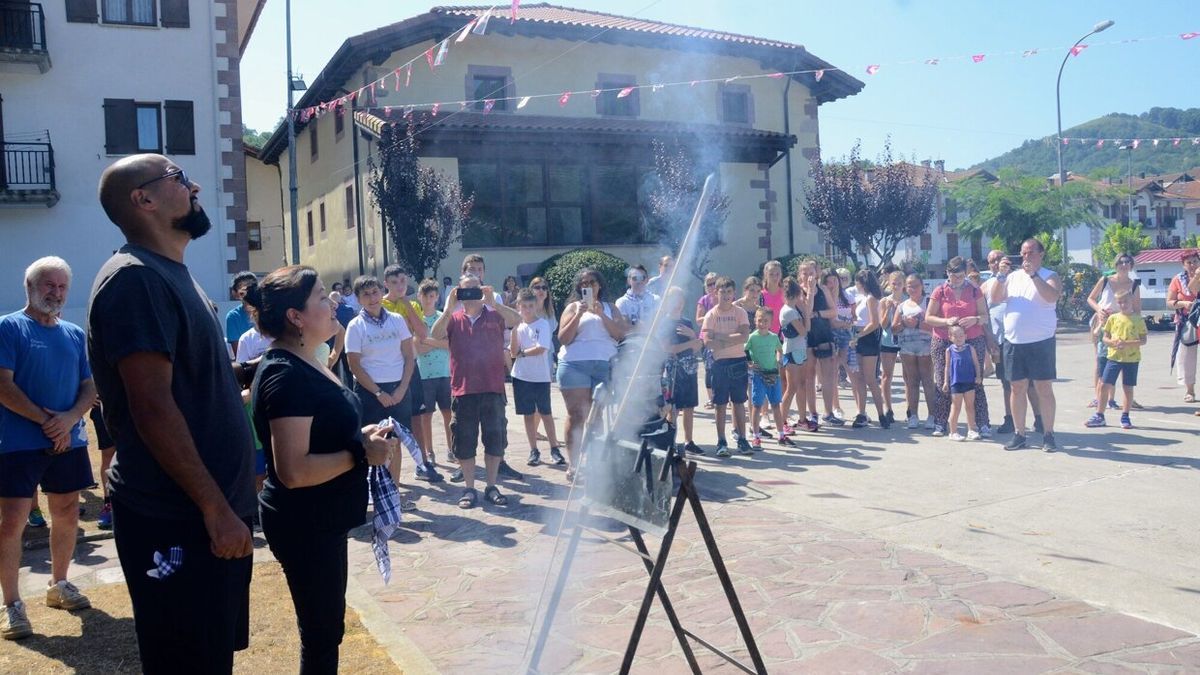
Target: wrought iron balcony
[
  {"x": 27, "y": 175},
  {"x": 23, "y": 34}
]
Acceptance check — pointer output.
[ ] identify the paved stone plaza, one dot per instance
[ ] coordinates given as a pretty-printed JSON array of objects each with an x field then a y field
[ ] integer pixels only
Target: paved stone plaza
[{"x": 860, "y": 551}]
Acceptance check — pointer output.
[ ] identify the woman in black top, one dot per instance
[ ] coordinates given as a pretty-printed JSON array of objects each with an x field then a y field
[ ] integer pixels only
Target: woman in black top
[{"x": 317, "y": 454}]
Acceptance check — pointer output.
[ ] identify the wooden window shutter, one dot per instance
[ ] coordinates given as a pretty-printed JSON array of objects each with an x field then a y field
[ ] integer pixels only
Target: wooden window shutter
[
  {"x": 175, "y": 14},
  {"x": 120, "y": 126},
  {"x": 82, "y": 11},
  {"x": 181, "y": 134}
]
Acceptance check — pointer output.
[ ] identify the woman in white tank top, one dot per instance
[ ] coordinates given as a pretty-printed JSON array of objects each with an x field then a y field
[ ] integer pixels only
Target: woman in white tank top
[{"x": 589, "y": 334}]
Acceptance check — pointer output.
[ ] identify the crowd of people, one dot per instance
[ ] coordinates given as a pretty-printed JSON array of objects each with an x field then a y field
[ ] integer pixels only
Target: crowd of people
[{"x": 277, "y": 418}]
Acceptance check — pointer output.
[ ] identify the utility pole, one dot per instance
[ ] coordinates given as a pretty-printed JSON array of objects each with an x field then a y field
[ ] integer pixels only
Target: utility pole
[{"x": 291, "y": 122}]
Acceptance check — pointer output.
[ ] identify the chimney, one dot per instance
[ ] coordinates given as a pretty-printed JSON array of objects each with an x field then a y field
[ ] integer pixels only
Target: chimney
[
  {"x": 1142, "y": 174},
  {"x": 941, "y": 165},
  {"x": 925, "y": 163}
]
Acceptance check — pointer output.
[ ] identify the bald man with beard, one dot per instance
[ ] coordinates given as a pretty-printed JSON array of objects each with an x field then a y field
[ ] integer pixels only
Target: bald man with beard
[{"x": 182, "y": 482}]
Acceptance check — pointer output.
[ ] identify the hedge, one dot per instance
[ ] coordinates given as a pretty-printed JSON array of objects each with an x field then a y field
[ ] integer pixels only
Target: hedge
[{"x": 559, "y": 272}]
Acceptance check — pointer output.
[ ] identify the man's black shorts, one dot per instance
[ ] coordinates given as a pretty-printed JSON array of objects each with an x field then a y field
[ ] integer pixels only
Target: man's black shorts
[
  {"x": 21, "y": 471},
  {"x": 1033, "y": 361},
  {"x": 531, "y": 397},
  {"x": 473, "y": 415},
  {"x": 730, "y": 379},
  {"x": 193, "y": 617}
]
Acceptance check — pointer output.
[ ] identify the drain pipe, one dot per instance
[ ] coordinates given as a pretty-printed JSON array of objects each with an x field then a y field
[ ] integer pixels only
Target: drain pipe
[{"x": 787, "y": 167}]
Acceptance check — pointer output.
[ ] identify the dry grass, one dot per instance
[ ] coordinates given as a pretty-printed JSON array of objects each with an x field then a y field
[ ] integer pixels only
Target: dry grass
[{"x": 101, "y": 640}]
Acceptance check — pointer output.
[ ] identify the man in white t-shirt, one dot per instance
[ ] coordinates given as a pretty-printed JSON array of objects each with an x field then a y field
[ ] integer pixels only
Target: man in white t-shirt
[
  {"x": 1030, "y": 295},
  {"x": 638, "y": 303},
  {"x": 658, "y": 283}
]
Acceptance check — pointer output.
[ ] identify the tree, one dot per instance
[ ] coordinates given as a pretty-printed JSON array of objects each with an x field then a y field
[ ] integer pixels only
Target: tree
[
  {"x": 255, "y": 139},
  {"x": 1016, "y": 207},
  {"x": 1120, "y": 239},
  {"x": 423, "y": 210},
  {"x": 671, "y": 193},
  {"x": 868, "y": 208},
  {"x": 1193, "y": 241}
]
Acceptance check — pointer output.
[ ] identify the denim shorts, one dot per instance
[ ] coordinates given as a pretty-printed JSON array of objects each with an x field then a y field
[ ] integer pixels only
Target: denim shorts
[
  {"x": 796, "y": 358},
  {"x": 582, "y": 374},
  {"x": 1127, "y": 371},
  {"x": 761, "y": 392}
]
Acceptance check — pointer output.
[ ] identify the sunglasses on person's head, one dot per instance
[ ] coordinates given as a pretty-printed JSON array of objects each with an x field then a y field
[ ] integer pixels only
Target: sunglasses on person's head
[
  {"x": 1125, "y": 261},
  {"x": 540, "y": 287},
  {"x": 177, "y": 174}
]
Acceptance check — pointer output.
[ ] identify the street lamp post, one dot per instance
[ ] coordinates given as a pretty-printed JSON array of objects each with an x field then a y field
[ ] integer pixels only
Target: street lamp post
[
  {"x": 291, "y": 122},
  {"x": 1062, "y": 172}
]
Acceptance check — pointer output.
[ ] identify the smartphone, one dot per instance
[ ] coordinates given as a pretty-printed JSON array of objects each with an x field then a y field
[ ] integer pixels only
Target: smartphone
[
  {"x": 589, "y": 297},
  {"x": 1015, "y": 261},
  {"x": 474, "y": 293}
]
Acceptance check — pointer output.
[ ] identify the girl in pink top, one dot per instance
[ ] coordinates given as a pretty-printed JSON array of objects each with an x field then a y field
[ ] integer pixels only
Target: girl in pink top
[{"x": 772, "y": 292}]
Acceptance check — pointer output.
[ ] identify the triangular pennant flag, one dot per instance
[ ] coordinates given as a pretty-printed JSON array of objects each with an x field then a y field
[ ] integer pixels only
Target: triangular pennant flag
[
  {"x": 872, "y": 69},
  {"x": 625, "y": 92},
  {"x": 387, "y": 110},
  {"x": 1136, "y": 143},
  {"x": 1100, "y": 143},
  {"x": 655, "y": 87},
  {"x": 512, "y": 16},
  {"x": 1029, "y": 52},
  {"x": 562, "y": 100},
  {"x": 977, "y": 58},
  {"x": 1066, "y": 141},
  {"x": 462, "y": 105},
  {"x": 1188, "y": 36},
  {"x": 408, "y": 112},
  {"x": 441, "y": 53},
  {"x": 1175, "y": 141},
  {"x": 465, "y": 31},
  {"x": 397, "y": 74},
  {"x": 372, "y": 92},
  {"x": 1196, "y": 141},
  {"x": 595, "y": 93},
  {"x": 436, "y": 107},
  {"x": 931, "y": 62},
  {"x": 429, "y": 57},
  {"x": 1156, "y": 142},
  {"x": 775, "y": 75},
  {"x": 731, "y": 79},
  {"x": 353, "y": 95},
  {"x": 523, "y": 102},
  {"x": 488, "y": 104},
  {"x": 408, "y": 74},
  {"x": 694, "y": 82},
  {"x": 482, "y": 22},
  {"x": 818, "y": 75},
  {"x": 1078, "y": 49}
]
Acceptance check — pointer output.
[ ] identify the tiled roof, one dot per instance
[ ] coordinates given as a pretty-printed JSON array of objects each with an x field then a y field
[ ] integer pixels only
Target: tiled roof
[{"x": 1160, "y": 255}]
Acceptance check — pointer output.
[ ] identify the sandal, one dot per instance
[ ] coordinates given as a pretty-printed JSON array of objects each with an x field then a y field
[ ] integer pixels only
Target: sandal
[
  {"x": 1189, "y": 398},
  {"x": 407, "y": 505},
  {"x": 468, "y": 499},
  {"x": 492, "y": 495}
]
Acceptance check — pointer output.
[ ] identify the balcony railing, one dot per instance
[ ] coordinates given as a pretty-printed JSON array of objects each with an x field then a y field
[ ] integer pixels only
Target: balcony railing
[
  {"x": 27, "y": 167},
  {"x": 22, "y": 27}
]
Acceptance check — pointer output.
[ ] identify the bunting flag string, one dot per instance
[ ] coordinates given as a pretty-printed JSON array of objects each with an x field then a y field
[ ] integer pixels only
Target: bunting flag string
[
  {"x": 1133, "y": 143},
  {"x": 435, "y": 56}
]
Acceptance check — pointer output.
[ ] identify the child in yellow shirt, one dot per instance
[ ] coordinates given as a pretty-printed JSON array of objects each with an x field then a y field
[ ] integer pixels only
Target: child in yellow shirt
[{"x": 1124, "y": 334}]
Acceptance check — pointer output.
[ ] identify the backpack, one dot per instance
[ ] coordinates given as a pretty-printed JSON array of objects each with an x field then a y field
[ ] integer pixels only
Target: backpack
[{"x": 1187, "y": 329}]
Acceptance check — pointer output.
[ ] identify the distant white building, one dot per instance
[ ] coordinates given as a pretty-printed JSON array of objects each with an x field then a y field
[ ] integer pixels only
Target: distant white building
[{"x": 84, "y": 82}]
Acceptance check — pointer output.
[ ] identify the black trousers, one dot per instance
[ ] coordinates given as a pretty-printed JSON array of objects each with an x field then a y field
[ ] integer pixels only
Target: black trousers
[
  {"x": 191, "y": 619},
  {"x": 314, "y": 563}
]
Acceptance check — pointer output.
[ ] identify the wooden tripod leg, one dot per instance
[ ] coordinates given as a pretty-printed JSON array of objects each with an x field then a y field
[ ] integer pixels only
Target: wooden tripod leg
[{"x": 666, "y": 603}]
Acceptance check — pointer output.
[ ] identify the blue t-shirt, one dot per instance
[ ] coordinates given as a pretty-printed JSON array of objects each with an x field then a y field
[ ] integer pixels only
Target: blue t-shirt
[
  {"x": 48, "y": 365},
  {"x": 236, "y": 323},
  {"x": 436, "y": 362}
]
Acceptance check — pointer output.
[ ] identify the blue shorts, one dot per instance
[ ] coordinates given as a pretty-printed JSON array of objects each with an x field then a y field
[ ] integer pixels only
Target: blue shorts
[
  {"x": 582, "y": 374},
  {"x": 796, "y": 358},
  {"x": 1127, "y": 371},
  {"x": 22, "y": 471},
  {"x": 729, "y": 381},
  {"x": 761, "y": 392}
]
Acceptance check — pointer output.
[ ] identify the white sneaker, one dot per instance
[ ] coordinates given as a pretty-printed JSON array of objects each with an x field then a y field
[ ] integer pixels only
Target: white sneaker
[
  {"x": 64, "y": 595},
  {"x": 974, "y": 435},
  {"x": 929, "y": 423},
  {"x": 14, "y": 625},
  {"x": 914, "y": 422},
  {"x": 837, "y": 412},
  {"x": 957, "y": 437}
]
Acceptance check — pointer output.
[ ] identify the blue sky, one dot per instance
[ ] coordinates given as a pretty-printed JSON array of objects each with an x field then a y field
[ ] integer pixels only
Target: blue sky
[{"x": 960, "y": 111}]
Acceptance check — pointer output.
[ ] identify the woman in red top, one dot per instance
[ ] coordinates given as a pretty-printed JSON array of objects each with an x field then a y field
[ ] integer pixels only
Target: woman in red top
[
  {"x": 958, "y": 303},
  {"x": 1180, "y": 296}
]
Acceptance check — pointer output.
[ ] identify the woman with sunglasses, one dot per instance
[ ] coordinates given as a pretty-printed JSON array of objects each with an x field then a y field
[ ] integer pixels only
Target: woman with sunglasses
[
  {"x": 958, "y": 303},
  {"x": 1103, "y": 301},
  {"x": 545, "y": 310},
  {"x": 829, "y": 337},
  {"x": 912, "y": 332},
  {"x": 589, "y": 331}
]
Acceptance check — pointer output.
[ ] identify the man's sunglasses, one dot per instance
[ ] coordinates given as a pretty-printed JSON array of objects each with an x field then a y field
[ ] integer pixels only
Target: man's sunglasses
[
  {"x": 541, "y": 288},
  {"x": 177, "y": 174}
]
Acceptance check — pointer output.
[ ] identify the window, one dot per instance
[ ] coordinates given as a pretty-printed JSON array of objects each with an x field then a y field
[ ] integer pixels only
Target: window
[
  {"x": 132, "y": 12},
  {"x": 735, "y": 104},
  {"x": 549, "y": 203},
  {"x": 254, "y": 235},
  {"x": 951, "y": 212},
  {"x": 610, "y": 103},
  {"x": 1152, "y": 282},
  {"x": 310, "y": 228},
  {"x": 339, "y": 121},
  {"x": 926, "y": 242},
  {"x": 490, "y": 82},
  {"x": 350, "y": 223},
  {"x": 312, "y": 141},
  {"x": 951, "y": 244},
  {"x": 137, "y": 126},
  {"x": 977, "y": 248},
  {"x": 321, "y": 208}
]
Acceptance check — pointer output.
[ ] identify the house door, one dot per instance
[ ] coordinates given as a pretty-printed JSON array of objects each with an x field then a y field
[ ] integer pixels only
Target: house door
[
  {"x": 3, "y": 154},
  {"x": 16, "y": 24}
]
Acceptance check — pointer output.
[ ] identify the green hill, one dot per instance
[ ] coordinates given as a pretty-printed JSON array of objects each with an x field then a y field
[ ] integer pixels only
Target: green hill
[{"x": 1038, "y": 157}]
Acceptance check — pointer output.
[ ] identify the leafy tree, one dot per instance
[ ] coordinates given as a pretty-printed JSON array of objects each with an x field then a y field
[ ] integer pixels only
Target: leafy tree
[
  {"x": 672, "y": 191},
  {"x": 867, "y": 211},
  {"x": 423, "y": 210},
  {"x": 1193, "y": 241},
  {"x": 255, "y": 139},
  {"x": 1053, "y": 247},
  {"x": 1016, "y": 207},
  {"x": 1120, "y": 239}
]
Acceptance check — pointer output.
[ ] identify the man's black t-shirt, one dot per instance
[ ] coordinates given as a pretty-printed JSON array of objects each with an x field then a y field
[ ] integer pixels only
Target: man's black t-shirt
[
  {"x": 286, "y": 386},
  {"x": 144, "y": 302}
]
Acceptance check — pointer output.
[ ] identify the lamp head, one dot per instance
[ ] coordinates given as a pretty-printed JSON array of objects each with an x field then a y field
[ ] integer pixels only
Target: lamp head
[{"x": 1103, "y": 25}]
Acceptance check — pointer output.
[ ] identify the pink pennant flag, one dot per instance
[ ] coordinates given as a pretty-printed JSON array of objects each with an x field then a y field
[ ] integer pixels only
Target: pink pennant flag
[
  {"x": 387, "y": 110},
  {"x": 512, "y": 17},
  {"x": 429, "y": 57},
  {"x": 396, "y": 72},
  {"x": 625, "y": 92},
  {"x": 465, "y": 31},
  {"x": 977, "y": 58},
  {"x": 462, "y": 105},
  {"x": 1136, "y": 143},
  {"x": 818, "y": 75},
  {"x": 872, "y": 69},
  {"x": 523, "y": 102},
  {"x": 595, "y": 93},
  {"x": 1078, "y": 49},
  {"x": 1175, "y": 142},
  {"x": 1028, "y": 53},
  {"x": 441, "y": 53},
  {"x": 775, "y": 75},
  {"x": 1188, "y": 36},
  {"x": 562, "y": 100},
  {"x": 372, "y": 92},
  {"x": 1100, "y": 143},
  {"x": 1066, "y": 141},
  {"x": 353, "y": 95},
  {"x": 482, "y": 22},
  {"x": 408, "y": 75},
  {"x": 931, "y": 62},
  {"x": 488, "y": 104},
  {"x": 436, "y": 107}
]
